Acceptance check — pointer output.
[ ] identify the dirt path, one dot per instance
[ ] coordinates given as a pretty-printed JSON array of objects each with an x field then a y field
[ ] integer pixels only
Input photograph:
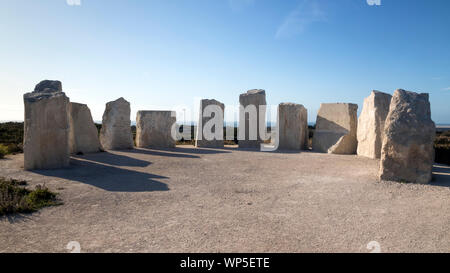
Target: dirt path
[{"x": 200, "y": 200}]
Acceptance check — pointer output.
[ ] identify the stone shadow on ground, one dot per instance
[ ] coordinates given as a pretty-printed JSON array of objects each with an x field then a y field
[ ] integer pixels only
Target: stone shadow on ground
[
  {"x": 441, "y": 176},
  {"x": 279, "y": 151},
  {"x": 181, "y": 151},
  {"x": 108, "y": 178},
  {"x": 160, "y": 152},
  {"x": 114, "y": 159}
]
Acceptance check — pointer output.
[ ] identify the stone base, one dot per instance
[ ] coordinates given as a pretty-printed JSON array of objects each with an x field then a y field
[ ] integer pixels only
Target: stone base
[
  {"x": 116, "y": 126},
  {"x": 292, "y": 127},
  {"x": 371, "y": 124},
  {"x": 46, "y": 131},
  {"x": 408, "y": 140},
  {"x": 336, "y": 127},
  {"x": 154, "y": 129},
  {"x": 83, "y": 132}
]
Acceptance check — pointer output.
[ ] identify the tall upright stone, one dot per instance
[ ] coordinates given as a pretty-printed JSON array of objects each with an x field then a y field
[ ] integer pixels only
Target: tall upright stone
[
  {"x": 83, "y": 137},
  {"x": 408, "y": 152},
  {"x": 252, "y": 116},
  {"x": 46, "y": 127},
  {"x": 336, "y": 128},
  {"x": 154, "y": 129},
  {"x": 116, "y": 126},
  {"x": 371, "y": 124},
  {"x": 210, "y": 124},
  {"x": 292, "y": 126}
]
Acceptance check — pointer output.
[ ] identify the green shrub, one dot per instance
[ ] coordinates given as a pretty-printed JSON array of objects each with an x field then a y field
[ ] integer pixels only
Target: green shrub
[
  {"x": 41, "y": 197},
  {"x": 3, "y": 151},
  {"x": 14, "y": 148},
  {"x": 446, "y": 133},
  {"x": 442, "y": 148},
  {"x": 11, "y": 132},
  {"x": 15, "y": 198}
]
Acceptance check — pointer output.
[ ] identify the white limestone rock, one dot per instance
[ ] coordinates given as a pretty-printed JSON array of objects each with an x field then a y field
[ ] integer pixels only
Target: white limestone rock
[
  {"x": 83, "y": 137},
  {"x": 292, "y": 126},
  {"x": 253, "y": 98},
  {"x": 46, "y": 127},
  {"x": 154, "y": 129},
  {"x": 408, "y": 140},
  {"x": 371, "y": 124},
  {"x": 212, "y": 121},
  {"x": 336, "y": 129},
  {"x": 116, "y": 126}
]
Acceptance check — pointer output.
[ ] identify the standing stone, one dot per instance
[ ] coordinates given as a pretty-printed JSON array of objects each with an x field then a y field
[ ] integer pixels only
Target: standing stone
[
  {"x": 46, "y": 128},
  {"x": 408, "y": 152},
  {"x": 154, "y": 129},
  {"x": 336, "y": 129},
  {"x": 251, "y": 115},
  {"x": 371, "y": 124},
  {"x": 116, "y": 128},
  {"x": 292, "y": 126},
  {"x": 83, "y": 137},
  {"x": 212, "y": 122}
]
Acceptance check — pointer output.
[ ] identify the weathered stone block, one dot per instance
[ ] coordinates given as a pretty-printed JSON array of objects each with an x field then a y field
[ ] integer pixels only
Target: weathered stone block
[
  {"x": 371, "y": 124},
  {"x": 210, "y": 124},
  {"x": 46, "y": 128},
  {"x": 154, "y": 129},
  {"x": 336, "y": 127},
  {"x": 252, "y": 118},
  {"x": 116, "y": 126},
  {"x": 47, "y": 86},
  {"x": 83, "y": 137},
  {"x": 408, "y": 152},
  {"x": 292, "y": 126}
]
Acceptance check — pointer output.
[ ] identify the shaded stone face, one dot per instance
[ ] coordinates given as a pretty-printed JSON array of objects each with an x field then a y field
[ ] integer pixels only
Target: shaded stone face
[
  {"x": 292, "y": 126},
  {"x": 48, "y": 87},
  {"x": 252, "y": 118},
  {"x": 154, "y": 129},
  {"x": 46, "y": 131},
  {"x": 371, "y": 124},
  {"x": 408, "y": 152},
  {"x": 210, "y": 124},
  {"x": 336, "y": 127},
  {"x": 83, "y": 137},
  {"x": 116, "y": 126}
]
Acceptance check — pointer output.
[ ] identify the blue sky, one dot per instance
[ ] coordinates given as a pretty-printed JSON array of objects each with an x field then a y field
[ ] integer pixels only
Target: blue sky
[{"x": 161, "y": 54}]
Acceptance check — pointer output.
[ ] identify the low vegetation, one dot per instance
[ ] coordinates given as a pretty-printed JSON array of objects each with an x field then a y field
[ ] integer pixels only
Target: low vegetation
[
  {"x": 3, "y": 151},
  {"x": 11, "y": 132},
  {"x": 442, "y": 147},
  {"x": 16, "y": 198},
  {"x": 11, "y": 138}
]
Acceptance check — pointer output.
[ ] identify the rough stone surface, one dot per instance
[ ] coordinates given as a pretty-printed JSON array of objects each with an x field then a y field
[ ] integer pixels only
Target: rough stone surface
[
  {"x": 116, "y": 128},
  {"x": 83, "y": 137},
  {"x": 256, "y": 97},
  {"x": 408, "y": 151},
  {"x": 48, "y": 86},
  {"x": 203, "y": 120},
  {"x": 46, "y": 130},
  {"x": 371, "y": 124},
  {"x": 336, "y": 129},
  {"x": 293, "y": 126},
  {"x": 154, "y": 129}
]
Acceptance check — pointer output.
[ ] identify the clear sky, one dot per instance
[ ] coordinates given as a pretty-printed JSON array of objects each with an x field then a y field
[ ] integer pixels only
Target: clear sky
[{"x": 160, "y": 54}]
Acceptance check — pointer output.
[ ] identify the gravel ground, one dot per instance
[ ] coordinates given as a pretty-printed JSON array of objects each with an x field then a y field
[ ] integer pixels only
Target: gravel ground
[{"x": 228, "y": 200}]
